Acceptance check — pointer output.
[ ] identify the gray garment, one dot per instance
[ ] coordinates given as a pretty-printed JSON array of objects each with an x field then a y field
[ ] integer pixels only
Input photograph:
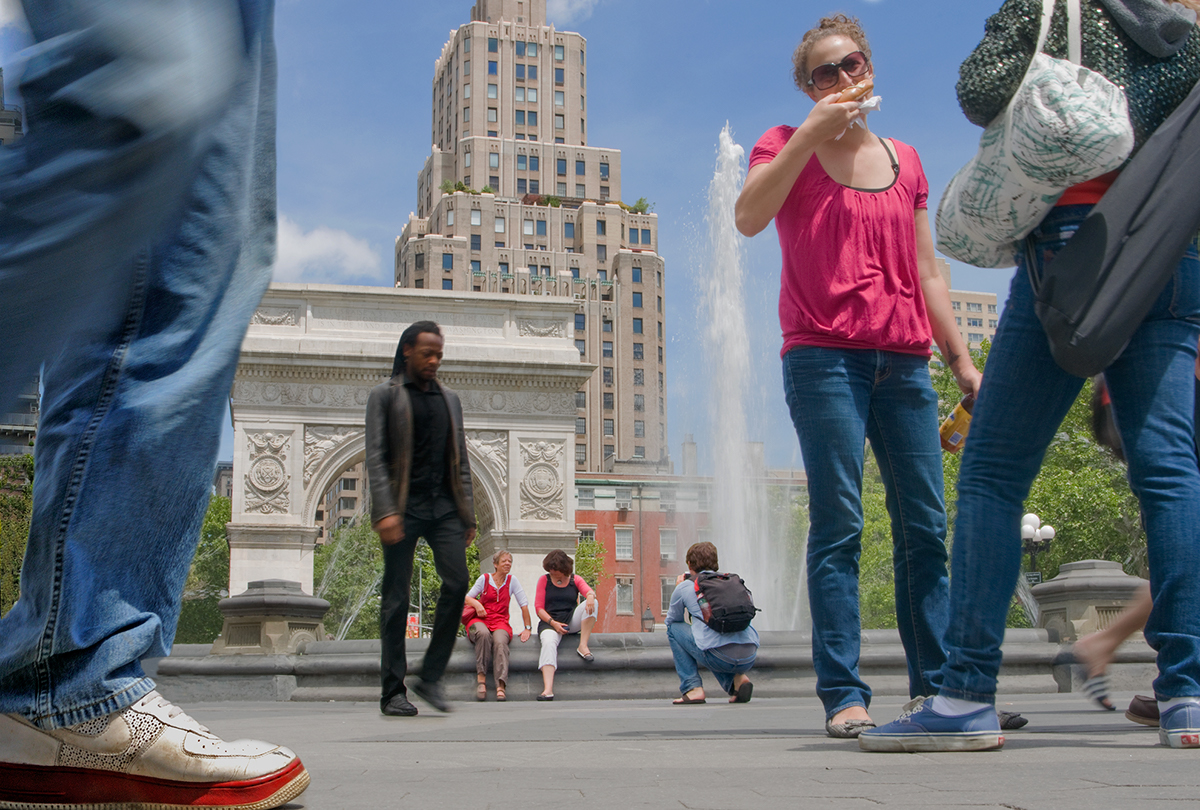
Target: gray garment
[
  {"x": 491, "y": 650},
  {"x": 1156, "y": 27}
]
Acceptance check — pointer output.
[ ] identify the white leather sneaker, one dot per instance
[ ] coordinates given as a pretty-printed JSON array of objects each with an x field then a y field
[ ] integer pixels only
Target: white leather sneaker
[{"x": 151, "y": 756}]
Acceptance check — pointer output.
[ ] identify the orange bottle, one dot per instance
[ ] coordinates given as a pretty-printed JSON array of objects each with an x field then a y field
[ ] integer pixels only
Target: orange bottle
[{"x": 954, "y": 429}]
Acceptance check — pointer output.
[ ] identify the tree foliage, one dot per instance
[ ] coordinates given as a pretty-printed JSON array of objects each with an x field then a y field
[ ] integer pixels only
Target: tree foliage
[
  {"x": 16, "y": 507},
  {"x": 589, "y": 561},
  {"x": 207, "y": 584}
]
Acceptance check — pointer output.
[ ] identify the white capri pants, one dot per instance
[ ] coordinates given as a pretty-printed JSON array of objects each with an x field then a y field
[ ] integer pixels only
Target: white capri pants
[{"x": 550, "y": 638}]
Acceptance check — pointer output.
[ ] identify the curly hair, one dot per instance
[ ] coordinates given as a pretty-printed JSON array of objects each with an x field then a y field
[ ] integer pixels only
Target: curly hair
[
  {"x": 558, "y": 560},
  {"x": 837, "y": 25},
  {"x": 702, "y": 556},
  {"x": 500, "y": 553}
]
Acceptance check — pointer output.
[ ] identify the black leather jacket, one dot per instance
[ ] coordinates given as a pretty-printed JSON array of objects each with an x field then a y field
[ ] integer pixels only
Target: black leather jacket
[{"x": 389, "y": 451}]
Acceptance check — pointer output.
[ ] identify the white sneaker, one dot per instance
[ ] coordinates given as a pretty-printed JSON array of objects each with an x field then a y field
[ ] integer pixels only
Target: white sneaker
[{"x": 150, "y": 756}]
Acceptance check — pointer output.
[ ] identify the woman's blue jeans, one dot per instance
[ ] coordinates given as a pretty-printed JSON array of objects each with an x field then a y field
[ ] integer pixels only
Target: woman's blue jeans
[
  {"x": 1024, "y": 398},
  {"x": 840, "y": 398},
  {"x": 689, "y": 658},
  {"x": 137, "y": 226}
]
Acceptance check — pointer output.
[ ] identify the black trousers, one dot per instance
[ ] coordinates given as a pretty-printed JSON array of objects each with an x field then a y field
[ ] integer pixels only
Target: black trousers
[{"x": 446, "y": 537}]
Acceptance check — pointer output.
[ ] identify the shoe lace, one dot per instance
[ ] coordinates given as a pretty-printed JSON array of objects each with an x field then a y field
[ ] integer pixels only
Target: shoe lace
[
  {"x": 157, "y": 701},
  {"x": 912, "y": 707}
]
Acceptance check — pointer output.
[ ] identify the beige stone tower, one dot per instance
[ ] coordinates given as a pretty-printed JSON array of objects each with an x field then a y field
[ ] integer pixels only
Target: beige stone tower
[{"x": 538, "y": 212}]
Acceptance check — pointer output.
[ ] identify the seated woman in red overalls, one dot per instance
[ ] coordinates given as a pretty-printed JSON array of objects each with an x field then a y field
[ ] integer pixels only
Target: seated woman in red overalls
[{"x": 486, "y": 619}]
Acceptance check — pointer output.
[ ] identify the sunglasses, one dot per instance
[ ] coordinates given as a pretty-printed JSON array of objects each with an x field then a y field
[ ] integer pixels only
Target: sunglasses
[{"x": 825, "y": 76}]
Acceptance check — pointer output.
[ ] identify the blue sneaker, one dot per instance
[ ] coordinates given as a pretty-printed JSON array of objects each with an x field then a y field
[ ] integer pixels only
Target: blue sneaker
[
  {"x": 920, "y": 728},
  {"x": 1179, "y": 727}
]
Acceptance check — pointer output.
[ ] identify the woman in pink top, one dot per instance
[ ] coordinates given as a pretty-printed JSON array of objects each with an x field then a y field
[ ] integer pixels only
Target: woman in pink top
[
  {"x": 565, "y": 604},
  {"x": 861, "y": 300}
]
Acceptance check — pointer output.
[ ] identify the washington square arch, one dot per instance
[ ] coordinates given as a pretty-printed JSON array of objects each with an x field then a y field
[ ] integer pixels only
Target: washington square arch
[{"x": 298, "y": 404}]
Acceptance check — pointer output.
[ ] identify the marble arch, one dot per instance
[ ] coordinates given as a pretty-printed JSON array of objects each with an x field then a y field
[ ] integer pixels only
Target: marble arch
[{"x": 309, "y": 360}]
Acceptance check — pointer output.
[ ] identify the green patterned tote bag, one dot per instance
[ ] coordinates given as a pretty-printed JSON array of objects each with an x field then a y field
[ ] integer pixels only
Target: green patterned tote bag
[{"x": 1064, "y": 125}]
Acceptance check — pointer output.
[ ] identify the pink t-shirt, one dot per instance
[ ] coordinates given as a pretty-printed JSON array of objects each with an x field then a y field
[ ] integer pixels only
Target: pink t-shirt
[{"x": 850, "y": 278}]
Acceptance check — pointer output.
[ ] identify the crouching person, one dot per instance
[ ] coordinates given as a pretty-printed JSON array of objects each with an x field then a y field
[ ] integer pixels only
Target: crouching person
[{"x": 725, "y": 643}]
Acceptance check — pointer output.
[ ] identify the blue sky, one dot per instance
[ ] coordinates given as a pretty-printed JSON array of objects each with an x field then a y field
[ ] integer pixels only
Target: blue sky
[{"x": 664, "y": 76}]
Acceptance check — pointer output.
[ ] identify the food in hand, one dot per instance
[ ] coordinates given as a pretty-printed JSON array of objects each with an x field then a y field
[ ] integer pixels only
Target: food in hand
[{"x": 857, "y": 92}]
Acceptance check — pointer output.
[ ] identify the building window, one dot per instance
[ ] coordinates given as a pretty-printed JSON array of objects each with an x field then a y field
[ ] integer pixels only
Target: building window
[
  {"x": 504, "y": 268},
  {"x": 639, "y": 429},
  {"x": 624, "y": 595},
  {"x": 608, "y": 401},
  {"x": 493, "y": 115},
  {"x": 559, "y": 76},
  {"x": 660, "y": 330},
  {"x": 603, "y": 276},
  {"x": 574, "y": 272},
  {"x": 447, "y": 284},
  {"x": 561, "y": 164},
  {"x": 466, "y": 91},
  {"x": 345, "y": 504},
  {"x": 993, "y": 323},
  {"x": 420, "y": 284},
  {"x": 447, "y": 261},
  {"x": 667, "y": 543},
  {"x": 637, "y": 300},
  {"x": 492, "y": 68},
  {"x": 660, "y": 303},
  {"x": 974, "y": 337},
  {"x": 561, "y": 190},
  {"x": 639, "y": 378},
  {"x": 581, "y": 399},
  {"x": 608, "y": 427},
  {"x": 499, "y": 225},
  {"x": 532, "y": 117},
  {"x": 636, "y": 276},
  {"x": 466, "y": 44},
  {"x": 668, "y": 590},
  {"x": 956, "y": 305},
  {"x": 559, "y": 53},
  {"x": 992, "y": 308},
  {"x": 541, "y": 227},
  {"x": 587, "y": 500},
  {"x": 580, "y": 425},
  {"x": 638, "y": 351},
  {"x": 645, "y": 236},
  {"x": 476, "y": 267},
  {"x": 520, "y": 118},
  {"x": 520, "y": 47},
  {"x": 521, "y": 163},
  {"x": 560, "y": 122},
  {"x": 532, "y": 49},
  {"x": 476, "y": 242},
  {"x": 581, "y": 454},
  {"x": 560, "y": 99},
  {"x": 974, "y": 307},
  {"x": 957, "y": 320},
  {"x": 580, "y": 190},
  {"x": 476, "y": 217},
  {"x": 533, "y": 186},
  {"x": 609, "y": 451},
  {"x": 580, "y": 168},
  {"x": 580, "y": 321},
  {"x": 419, "y": 261},
  {"x": 568, "y": 230},
  {"x": 633, "y": 236},
  {"x": 493, "y": 45},
  {"x": 493, "y": 91},
  {"x": 639, "y": 451},
  {"x": 608, "y": 348},
  {"x": 975, "y": 322},
  {"x": 527, "y": 227},
  {"x": 637, "y": 326},
  {"x": 603, "y": 171},
  {"x": 608, "y": 326},
  {"x": 608, "y": 373},
  {"x": 520, "y": 73},
  {"x": 639, "y": 400},
  {"x": 582, "y": 346},
  {"x": 601, "y": 253},
  {"x": 531, "y": 73},
  {"x": 660, "y": 359},
  {"x": 531, "y": 96},
  {"x": 624, "y": 544},
  {"x": 545, "y": 271}
]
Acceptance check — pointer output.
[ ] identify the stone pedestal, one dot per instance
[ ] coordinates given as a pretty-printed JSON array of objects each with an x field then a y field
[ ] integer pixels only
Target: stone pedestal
[
  {"x": 1085, "y": 597},
  {"x": 272, "y": 617}
]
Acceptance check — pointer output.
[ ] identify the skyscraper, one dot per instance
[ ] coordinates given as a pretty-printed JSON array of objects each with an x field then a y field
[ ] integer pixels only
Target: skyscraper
[{"x": 513, "y": 200}]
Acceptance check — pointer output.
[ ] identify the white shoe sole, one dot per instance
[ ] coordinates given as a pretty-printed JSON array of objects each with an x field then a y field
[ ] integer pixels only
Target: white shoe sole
[
  {"x": 930, "y": 743},
  {"x": 1185, "y": 738}
]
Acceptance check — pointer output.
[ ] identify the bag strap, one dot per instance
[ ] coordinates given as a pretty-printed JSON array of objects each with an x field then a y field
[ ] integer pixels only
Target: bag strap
[{"x": 1074, "y": 43}]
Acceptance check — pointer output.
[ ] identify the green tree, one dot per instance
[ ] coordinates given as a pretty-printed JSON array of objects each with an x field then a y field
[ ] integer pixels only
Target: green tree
[
  {"x": 347, "y": 572},
  {"x": 589, "y": 561},
  {"x": 642, "y": 206},
  {"x": 200, "y": 620},
  {"x": 487, "y": 190},
  {"x": 447, "y": 186},
  {"x": 16, "y": 507}
]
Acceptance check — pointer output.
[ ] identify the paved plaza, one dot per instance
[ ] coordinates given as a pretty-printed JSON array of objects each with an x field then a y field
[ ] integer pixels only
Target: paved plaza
[{"x": 770, "y": 753}]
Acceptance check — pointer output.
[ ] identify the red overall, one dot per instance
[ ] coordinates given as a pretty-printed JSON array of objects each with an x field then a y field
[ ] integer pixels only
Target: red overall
[{"x": 495, "y": 602}]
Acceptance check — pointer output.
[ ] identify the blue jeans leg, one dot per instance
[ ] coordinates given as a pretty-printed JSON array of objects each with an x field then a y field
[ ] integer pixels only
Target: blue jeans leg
[
  {"x": 130, "y": 420},
  {"x": 725, "y": 668},
  {"x": 1010, "y": 433},
  {"x": 687, "y": 656},
  {"x": 837, "y": 399}
]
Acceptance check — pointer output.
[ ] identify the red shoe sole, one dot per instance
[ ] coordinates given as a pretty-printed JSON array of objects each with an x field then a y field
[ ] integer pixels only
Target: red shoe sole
[{"x": 34, "y": 787}]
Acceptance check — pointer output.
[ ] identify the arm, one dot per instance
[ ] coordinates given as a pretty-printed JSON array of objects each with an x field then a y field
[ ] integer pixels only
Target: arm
[
  {"x": 992, "y": 73},
  {"x": 675, "y": 609},
  {"x": 477, "y": 589},
  {"x": 464, "y": 465},
  {"x": 768, "y": 185},
  {"x": 539, "y": 600},
  {"x": 518, "y": 593},
  {"x": 589, "y": 596},
  {"x": 528, "y": 623},
  {"x": 941, "y": 316},
  {"x": 385, "y": 516}
]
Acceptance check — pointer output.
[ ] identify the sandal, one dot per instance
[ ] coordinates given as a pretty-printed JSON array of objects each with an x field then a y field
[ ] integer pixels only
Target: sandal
[
  {"x": 545, "y": 697},
  {"x": 481, "y": 691},
  {"x": 847, "y": 730},
  {"x": 1096, "y": 689},
  {"x": 743, "y": 692},
  {"x": 500, "y": 696},
  {"x": 687, "y": 701},
  {"x": 1010, "y": 721}
]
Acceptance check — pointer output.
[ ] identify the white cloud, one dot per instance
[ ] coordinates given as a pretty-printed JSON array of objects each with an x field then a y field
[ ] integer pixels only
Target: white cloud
[
  {"x": 11, "y": 14},
  {"x": 569, "y": 12},
  {"x": 323, "y": 255}
]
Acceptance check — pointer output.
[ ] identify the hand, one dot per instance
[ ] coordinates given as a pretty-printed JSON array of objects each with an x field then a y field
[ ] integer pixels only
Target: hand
[
  {"x": 524, "y": 636},
  {"x": 481, "y": 611},
  {"x": 966, "y": 375},
  {"x": 559, "y": 627},
  {"x": 830, "y": 118},
  {"x": 390, "y": 530},
  {"x": 590, "y": 603},
  {"x": 680, "y": 578},
  {"x": 470, "y": 535}
]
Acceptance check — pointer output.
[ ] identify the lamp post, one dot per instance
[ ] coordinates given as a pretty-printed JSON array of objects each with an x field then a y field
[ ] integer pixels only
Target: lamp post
[
  {"x": 1035, "y": 538},
  {"x": 647, "y": 621}
]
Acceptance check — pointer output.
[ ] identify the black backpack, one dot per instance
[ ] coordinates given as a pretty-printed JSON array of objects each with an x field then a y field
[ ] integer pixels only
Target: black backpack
[{"x": 725, "y": 602}]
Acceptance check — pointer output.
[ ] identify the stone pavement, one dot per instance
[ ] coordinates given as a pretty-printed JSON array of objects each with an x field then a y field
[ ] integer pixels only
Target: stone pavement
[{"x": 770, "y": 753}]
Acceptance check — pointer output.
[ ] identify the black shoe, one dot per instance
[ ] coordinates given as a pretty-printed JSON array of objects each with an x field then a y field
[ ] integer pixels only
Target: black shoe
[
  {"x": 399, "y": 706},
  {"x": 432, "y": 694},
  {"x": 1010, "y": 721}
]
